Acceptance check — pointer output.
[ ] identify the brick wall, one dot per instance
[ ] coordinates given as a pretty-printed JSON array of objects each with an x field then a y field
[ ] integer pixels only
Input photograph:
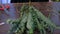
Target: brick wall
[{"x": 44, "y": 7}]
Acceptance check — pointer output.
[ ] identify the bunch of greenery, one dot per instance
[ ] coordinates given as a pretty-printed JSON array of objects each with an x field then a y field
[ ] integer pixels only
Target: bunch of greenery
[{"x": 30, "y": 20}]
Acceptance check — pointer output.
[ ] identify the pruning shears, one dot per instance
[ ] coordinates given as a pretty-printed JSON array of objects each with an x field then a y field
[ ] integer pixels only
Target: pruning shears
[{"x": 6, "y": 7}]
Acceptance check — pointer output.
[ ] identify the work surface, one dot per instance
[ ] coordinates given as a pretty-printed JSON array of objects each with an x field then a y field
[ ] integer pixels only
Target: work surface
[{"x": 11, "y": 14}]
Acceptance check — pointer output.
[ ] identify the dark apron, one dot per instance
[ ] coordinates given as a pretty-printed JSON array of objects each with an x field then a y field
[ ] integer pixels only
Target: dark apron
[{"x": 20, "y": 1}]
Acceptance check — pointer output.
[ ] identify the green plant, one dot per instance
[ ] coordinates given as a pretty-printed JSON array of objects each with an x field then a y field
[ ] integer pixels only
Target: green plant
[{"x": 30, "y": 20}]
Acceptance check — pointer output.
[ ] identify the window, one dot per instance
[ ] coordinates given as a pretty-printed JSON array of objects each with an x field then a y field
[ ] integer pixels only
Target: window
[{"x": 4, "y": 1}]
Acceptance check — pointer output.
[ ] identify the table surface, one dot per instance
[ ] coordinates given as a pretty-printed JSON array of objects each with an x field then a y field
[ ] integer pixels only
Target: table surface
[{"x": 7, "y": 14}]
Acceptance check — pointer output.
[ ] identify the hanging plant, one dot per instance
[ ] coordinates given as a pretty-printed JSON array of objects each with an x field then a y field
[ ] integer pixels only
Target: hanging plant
[{"x": 30, "y": 20}]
